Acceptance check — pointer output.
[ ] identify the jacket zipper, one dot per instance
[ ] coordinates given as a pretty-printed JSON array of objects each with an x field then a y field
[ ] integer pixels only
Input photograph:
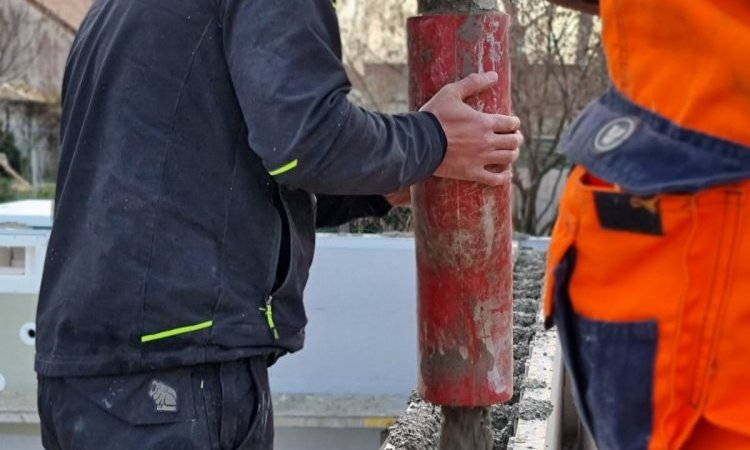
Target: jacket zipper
[{"x": 268, "y": 310}]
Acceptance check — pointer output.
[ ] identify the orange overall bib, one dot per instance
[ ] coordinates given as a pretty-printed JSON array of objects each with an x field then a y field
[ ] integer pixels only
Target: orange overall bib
[{"x": 649, "y": 277}]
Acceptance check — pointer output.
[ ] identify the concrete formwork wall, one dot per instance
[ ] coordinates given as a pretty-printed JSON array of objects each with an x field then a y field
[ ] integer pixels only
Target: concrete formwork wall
[{"x": 361, "y": 337}]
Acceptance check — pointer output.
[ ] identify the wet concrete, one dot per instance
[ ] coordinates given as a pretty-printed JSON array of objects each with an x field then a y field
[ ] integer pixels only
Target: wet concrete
[
  {"x": 466, "y": 428},
  {"x": 419, "y": 428}
]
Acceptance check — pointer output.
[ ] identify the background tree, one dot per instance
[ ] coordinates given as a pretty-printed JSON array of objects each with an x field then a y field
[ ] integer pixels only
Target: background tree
[
  {"x": 558, "y": 67},
  {"x": 12, "y": 153},
  {"x": 20, "y": 42}
]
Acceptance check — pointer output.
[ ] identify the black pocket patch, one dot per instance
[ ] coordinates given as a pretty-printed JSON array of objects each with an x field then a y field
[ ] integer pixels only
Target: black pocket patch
[{"x": 626, "y": 212}]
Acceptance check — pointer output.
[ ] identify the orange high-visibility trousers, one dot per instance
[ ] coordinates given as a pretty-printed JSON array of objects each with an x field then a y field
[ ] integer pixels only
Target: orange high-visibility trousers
[
  {"x": 707, "y": 436},
  {"x": 651, "y": 297}
]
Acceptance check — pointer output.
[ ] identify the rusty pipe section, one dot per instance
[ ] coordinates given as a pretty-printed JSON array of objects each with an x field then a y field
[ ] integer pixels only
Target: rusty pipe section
[{"x": 463, "y": 230}]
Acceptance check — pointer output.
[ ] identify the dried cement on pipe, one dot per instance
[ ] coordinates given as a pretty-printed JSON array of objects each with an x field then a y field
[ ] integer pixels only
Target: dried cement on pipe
[{"x": 419, "y": 428}]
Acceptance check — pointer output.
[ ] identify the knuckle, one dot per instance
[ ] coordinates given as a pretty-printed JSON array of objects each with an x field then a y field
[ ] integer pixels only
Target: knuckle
[
  {"x": 476, "y": 174},
  {"x": 507, "y": 124},
  {"x": 451, "y": 86},
  {"x": 488, "y": 121},
  {"x": 448, "y": 89},
  {"x": 495, "y": 157},
  {"x": 505, "y": 143},
  {"x": 512, "y": 156},
  {"x": 507, "y": 157},
  {"x": 497, "y": 122}
]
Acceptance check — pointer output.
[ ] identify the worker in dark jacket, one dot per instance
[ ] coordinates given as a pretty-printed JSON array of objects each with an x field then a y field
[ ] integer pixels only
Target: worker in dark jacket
[{"x": 195, "y": 134}]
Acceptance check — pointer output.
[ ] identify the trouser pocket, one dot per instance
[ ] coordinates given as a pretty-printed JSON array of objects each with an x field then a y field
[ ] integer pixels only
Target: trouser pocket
[
  {"x": 247, "y": 414},
  {"x": 222, "y": 406},
  {"x": 612, "y": 368},
  {"x": 154, "y": 411}
]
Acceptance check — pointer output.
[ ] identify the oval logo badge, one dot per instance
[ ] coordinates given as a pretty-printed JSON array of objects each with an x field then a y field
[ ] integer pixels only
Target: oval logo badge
[{"x": 614, "y": 134}]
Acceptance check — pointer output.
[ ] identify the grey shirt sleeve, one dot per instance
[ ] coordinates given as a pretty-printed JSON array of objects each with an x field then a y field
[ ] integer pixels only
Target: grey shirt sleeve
[{"x": 284, "y": 57}]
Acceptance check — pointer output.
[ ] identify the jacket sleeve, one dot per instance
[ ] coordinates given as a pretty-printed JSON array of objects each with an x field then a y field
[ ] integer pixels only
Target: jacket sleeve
[
  {"x": 284, "y": 57},
  {"x": 334, "y": 210}
]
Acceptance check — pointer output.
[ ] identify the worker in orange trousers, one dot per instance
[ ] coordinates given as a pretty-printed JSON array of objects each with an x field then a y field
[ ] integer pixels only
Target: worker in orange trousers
[{"x": 649, "y": 267}]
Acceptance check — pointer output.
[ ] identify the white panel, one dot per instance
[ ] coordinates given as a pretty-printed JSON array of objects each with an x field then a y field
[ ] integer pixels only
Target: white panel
[
  {"x": 22, "y": 255},
  {"x": 361, "y": 305}
]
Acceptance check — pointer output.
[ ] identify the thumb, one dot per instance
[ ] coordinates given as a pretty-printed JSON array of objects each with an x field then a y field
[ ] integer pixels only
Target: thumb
[{"x": 475, "y": 83}]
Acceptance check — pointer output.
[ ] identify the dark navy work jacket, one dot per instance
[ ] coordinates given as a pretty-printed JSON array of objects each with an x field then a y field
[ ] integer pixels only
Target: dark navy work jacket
[{"x": 194, "y": 133}]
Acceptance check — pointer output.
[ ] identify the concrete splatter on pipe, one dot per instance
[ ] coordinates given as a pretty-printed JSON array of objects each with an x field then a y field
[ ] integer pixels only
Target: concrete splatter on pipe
[{"x": 463, "y": 230}]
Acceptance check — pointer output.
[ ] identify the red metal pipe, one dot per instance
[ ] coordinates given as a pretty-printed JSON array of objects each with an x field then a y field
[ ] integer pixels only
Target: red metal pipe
[{"x": 463, "y": 230}]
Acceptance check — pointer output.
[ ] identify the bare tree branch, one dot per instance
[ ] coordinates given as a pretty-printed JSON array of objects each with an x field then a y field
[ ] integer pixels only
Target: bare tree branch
[
  {"x": 558, "y": 70},
  {"x": 552, "y": 200},
  {"x": 558, "y": 67},
  {"x": 20, "y": 41}
]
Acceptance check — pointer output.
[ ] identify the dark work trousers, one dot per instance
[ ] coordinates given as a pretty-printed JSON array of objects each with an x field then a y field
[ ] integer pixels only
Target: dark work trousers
[{"x": 223, "y": 406}]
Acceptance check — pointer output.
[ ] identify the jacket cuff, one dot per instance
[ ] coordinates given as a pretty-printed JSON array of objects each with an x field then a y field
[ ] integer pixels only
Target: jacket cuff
[{"x": 440, "y": 133}]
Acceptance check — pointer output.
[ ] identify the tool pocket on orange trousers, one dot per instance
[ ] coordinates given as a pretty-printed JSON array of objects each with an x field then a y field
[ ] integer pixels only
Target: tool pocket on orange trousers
[
  {"x": 612, "y": 369},
  {"x": 611, "y": 362}
]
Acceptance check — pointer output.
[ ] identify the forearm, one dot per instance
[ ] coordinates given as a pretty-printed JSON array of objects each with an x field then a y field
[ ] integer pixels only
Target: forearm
[{"x": 335, "y": 210}]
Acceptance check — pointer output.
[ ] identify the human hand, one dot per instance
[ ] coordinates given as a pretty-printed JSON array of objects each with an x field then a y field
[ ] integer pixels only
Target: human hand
[
  {"x": 481, "y": 146},
  {"x": 400, "y": 198}
]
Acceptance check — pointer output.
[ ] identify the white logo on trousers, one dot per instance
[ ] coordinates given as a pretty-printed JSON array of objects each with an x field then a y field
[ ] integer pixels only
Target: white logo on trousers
[
  {"x": 164, "y": 397},
  {"x": 614, "y": 134}
]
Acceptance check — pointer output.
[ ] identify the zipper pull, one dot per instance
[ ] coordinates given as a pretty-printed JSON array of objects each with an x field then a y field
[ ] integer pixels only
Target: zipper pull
[{"x": 269, "y": 317}]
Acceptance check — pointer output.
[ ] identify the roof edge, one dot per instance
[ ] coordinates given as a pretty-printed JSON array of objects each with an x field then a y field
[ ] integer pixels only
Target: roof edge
[{"x": 52, "y": 15}]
